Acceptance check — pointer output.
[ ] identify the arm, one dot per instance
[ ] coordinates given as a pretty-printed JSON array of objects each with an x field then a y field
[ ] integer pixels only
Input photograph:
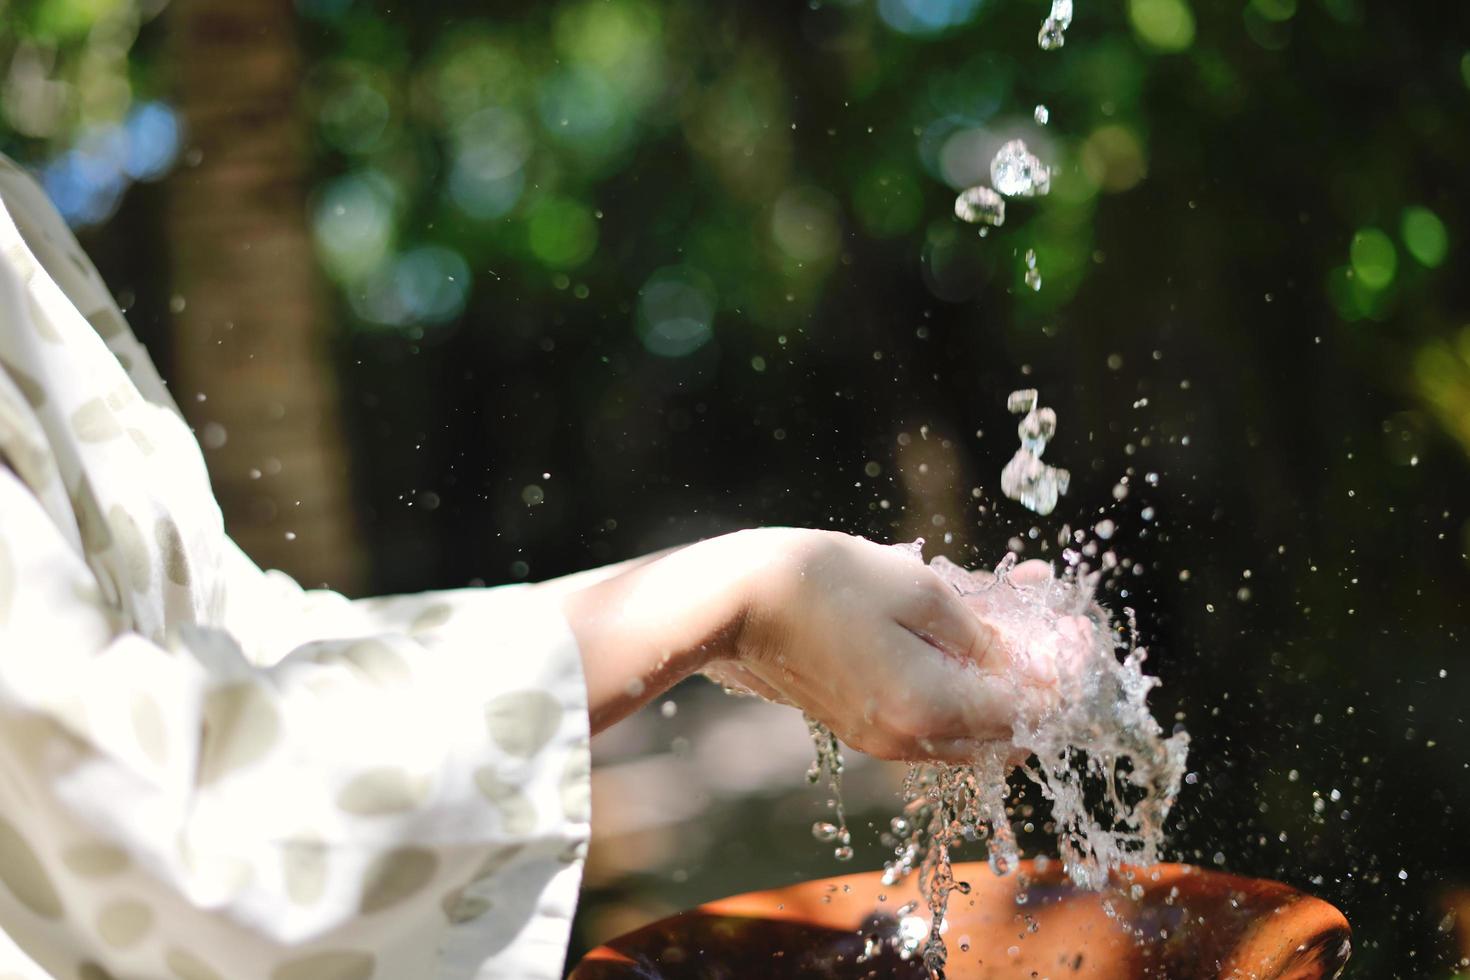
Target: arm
[
  {"x": 654, "y": 621},
  {"x": 863, "y": 637}
]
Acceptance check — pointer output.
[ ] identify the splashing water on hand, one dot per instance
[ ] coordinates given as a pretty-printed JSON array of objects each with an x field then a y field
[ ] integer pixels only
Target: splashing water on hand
[
  {"x": 1081, "y": 732},
  {"x": 1088, "y": 739}
]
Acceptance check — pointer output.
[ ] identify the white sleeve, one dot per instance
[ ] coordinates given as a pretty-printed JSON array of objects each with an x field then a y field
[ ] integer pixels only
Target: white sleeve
[{"x": 407, "y": 797}]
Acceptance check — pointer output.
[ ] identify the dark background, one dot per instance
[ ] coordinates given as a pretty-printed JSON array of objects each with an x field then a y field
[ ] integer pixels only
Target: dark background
[{"x": 1218, "y": 308}]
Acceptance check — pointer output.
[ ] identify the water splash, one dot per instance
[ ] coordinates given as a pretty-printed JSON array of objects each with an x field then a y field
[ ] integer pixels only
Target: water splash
[
  {"x": 829, "y": 763},
  {"x": 1026, "y": 478},
  {"x": 980, "y": 205},
  {"x": 1083, "y": 735},
  {"x": 1016, "y": 172},
  {"x": 1053, "y": 32}
]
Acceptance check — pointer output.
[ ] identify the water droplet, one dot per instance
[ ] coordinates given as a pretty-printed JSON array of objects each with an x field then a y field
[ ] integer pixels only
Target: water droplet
[
  {"x": 1042, "y": 115},
  {"x": 1026, "y": 478},
  {"x": 911, "y": 932},
  {"x": 1053, "y": 32},
  {"x": 668, "y": 709},
  {"x": 1020, "y": 401},
  {"x": 1015, "y": 172},
  {"x": 980, "y": 205},
  {"x": 1033, "y": 277}
]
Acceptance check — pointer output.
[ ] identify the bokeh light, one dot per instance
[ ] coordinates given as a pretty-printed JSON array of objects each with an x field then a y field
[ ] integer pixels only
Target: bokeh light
[
  {"x": 973, "y": 91},
  {"x": 1163, "y": 25},
  {"x": 579, "y": 107},
  {"x": 561, "y": 233},
  {"x": 1442, "y": 372},
  {"x": 87, "y": 182},
  {"x": 1374, "y": 259},
  {"x": 738, "y": 125},
  {"x": 424, "y": 285},
  {"x": 354, "y": 223},
  {"x": 152, "y": 146},
  {"x": 472, "y": 69},
  {"x": 486, "y": 174},
  {"x": 68, "y": 20},
  {"x": 1424, "y": 236},
  {"x": 355, "y": 113},
  {"x": 1113, "y": 158},
  {"x": 620, "y": 39},
  {"x": 805, "y": 224},
  {"x": 676, "y": 310},
  {"x": 926, "y": 17},
  {"x": 1271, "y": 33}
]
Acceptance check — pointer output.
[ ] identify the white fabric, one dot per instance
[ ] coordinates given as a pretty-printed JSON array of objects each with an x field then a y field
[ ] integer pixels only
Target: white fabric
[{"x": 207, "y": 773}]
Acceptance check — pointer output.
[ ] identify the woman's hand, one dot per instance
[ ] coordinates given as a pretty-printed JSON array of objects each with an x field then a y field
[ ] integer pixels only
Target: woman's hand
[
  {"x": 863, "y": 637},
  {"x": 869, "y": 640}
]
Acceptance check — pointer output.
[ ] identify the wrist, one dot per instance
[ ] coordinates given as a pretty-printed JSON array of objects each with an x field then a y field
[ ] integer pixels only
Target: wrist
[{"x": 645, "y": 629}]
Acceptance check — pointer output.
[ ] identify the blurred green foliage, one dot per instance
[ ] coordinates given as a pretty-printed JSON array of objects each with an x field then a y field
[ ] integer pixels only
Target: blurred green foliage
[{"x": 68, "y": 64}]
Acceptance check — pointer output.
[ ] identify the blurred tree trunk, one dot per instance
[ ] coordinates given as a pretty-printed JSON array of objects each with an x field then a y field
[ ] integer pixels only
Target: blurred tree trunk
[{"x": 252, "y": 336}]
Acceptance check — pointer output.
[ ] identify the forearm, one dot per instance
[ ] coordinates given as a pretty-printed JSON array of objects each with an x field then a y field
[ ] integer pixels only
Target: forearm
[
  {"x": 577, "y": 581},
  {"x": 655, "y": 621}
]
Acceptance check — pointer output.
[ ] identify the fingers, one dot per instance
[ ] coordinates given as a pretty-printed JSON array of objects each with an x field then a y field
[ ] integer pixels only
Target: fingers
[
  {"x": 936, "y": 698},
  {"x": 934, "y": 612}
]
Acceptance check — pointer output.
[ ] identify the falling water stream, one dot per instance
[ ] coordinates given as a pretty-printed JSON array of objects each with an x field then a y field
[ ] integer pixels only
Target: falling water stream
[
  {"x": 1026, "y": 479},
  {"x": 1081, "y": 730}
]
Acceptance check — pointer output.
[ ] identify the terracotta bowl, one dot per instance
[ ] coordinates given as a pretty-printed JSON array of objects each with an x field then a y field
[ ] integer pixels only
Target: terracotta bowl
[{"x": 1168, "y": 921}]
